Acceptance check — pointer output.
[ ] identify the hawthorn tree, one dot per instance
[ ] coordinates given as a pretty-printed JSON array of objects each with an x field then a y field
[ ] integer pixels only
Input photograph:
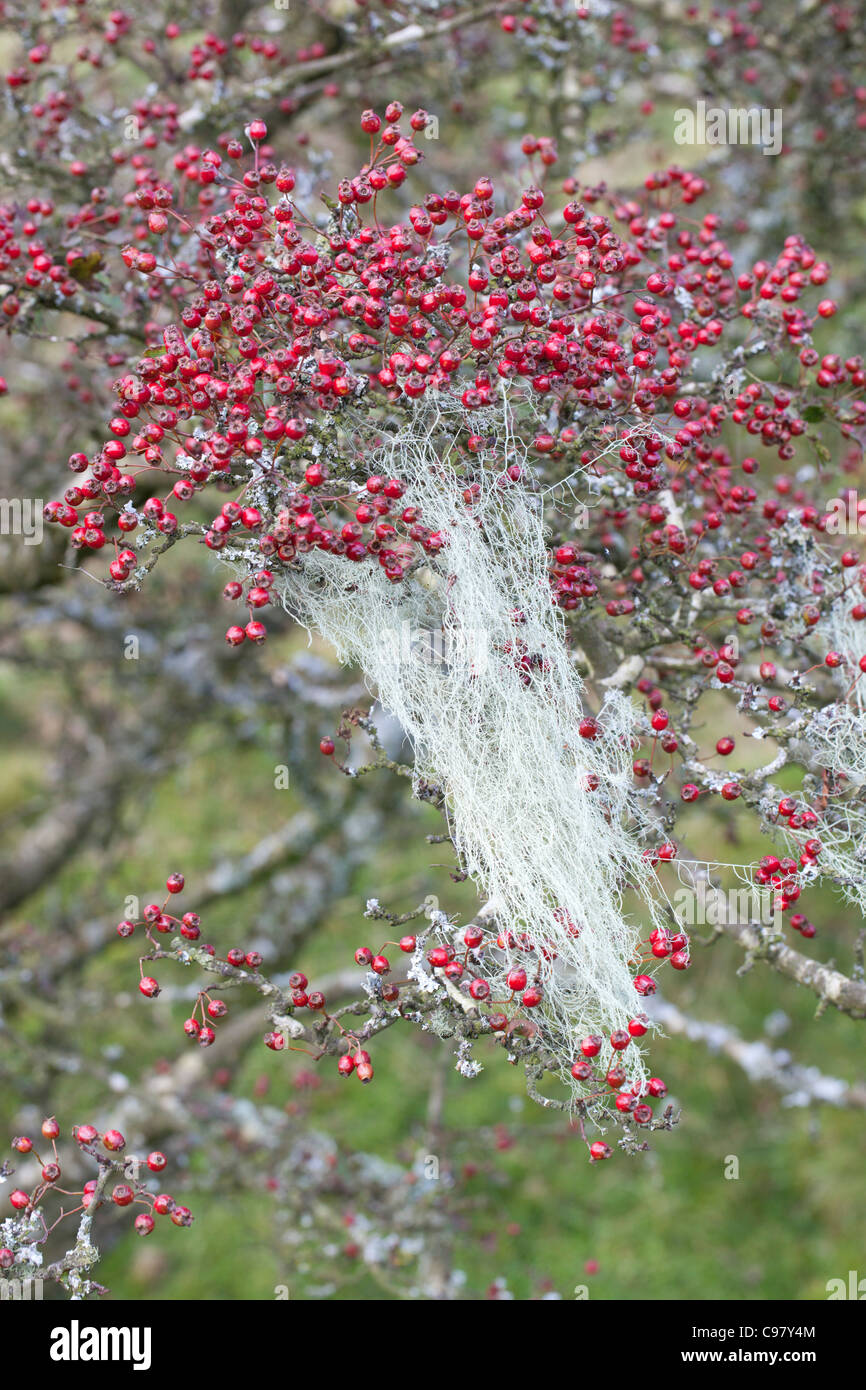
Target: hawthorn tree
[{"x": 555, "y": 465}]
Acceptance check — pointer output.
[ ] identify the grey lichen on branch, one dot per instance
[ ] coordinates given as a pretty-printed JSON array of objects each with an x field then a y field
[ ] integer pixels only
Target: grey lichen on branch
[{"x": 72, "y": 1269}]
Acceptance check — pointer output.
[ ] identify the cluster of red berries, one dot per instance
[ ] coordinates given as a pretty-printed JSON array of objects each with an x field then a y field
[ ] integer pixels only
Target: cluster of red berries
[
  {"x": 378, "y": 529},
  {"x": 661, "y": 945},
  {"x": 610, "y": 1077},
  {"x": 131, "y": 1191},
  {"x": 200, "y": 1026},
  {"x": 523, "y": 978},
  {"x": 535, "y": 323},
  {"x": 784, "y": 875},
  {"x": 372, "y": 318},
  {"x": 574, "y": 577},
  {"x": 210, "y": 57},
  {"x": 301, "y": 997},
  {"x": 155, "y": 918}
]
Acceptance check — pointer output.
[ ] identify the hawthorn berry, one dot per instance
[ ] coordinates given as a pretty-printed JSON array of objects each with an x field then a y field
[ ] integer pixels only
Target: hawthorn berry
[{"x": 599, "y": 1151}]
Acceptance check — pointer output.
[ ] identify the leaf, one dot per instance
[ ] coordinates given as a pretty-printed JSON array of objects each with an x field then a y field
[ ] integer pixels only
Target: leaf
[
  {"x": 84, "y": 268},
  {"x": 813, "y": 413}
]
